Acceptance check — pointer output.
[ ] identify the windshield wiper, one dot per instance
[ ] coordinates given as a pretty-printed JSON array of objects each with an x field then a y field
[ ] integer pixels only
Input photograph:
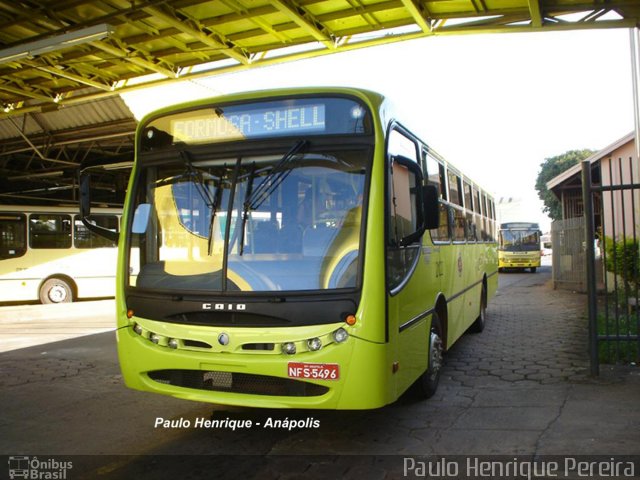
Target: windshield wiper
[
  {"x": 214, "y": 209},
  {"x": 194, "y": 175},
  {"x": 198, "y": 179},
  {"x": 275, "y": 177},
  {"x": 246, "y": 206}
]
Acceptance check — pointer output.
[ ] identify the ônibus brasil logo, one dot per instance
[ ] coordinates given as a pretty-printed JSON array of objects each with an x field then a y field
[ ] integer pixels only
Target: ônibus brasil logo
[{"x": 40, "y": 469}]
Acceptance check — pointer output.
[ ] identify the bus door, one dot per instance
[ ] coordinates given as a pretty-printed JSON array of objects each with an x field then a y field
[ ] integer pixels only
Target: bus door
[{"x": 411, "y": 276}]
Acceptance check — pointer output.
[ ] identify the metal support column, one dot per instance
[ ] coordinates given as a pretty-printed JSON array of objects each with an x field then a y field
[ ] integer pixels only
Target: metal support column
[
  {"x": 634, "y": 38},
  {"x": 587, "y": 198}
]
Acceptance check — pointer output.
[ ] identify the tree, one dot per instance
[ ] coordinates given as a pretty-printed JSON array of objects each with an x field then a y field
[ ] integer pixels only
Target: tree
[{"x": 551, "y": 168}]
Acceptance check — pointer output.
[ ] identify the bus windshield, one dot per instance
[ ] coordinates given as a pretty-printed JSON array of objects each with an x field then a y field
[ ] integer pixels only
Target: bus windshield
[
  {"x": 278, "y": 222},
  {"x": 519, "y": 240}
]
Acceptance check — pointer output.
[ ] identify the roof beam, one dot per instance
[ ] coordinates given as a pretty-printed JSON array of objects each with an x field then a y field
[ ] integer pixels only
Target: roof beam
[
  {"x": 306, "y": 21},
  {"x": 200, "y": 33},
  {"x": 415, "y": 11},
  {"x": 536, "y": 13},
  {"x": 479, "y": 6},
  {"x": 244, "y": 13},
  {"x": 36, "y": 150},
  {"x": 68, "y": 75},
  {"x": 26, "y": 93},
  {"x": 128, "y": 54}
]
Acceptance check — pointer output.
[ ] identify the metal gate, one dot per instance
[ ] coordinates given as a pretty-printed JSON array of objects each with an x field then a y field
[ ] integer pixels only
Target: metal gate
[
  {"x": 613, "y": 251},
  {"x": 568, "y": 255}
]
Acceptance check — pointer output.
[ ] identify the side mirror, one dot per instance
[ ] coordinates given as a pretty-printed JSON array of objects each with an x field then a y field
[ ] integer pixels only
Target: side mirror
[
  {"x": 85, "y": 194},
  {"x": 141, "y": 218},
  {"x": 431, "y": 211},
  {"x": 85, "y": 209}
]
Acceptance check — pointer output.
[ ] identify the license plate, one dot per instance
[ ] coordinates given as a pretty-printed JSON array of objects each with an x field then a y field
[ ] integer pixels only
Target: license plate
[{"x": 314, "y": 371}]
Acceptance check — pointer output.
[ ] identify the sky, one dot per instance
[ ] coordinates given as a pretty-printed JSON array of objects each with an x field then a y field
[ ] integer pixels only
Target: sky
[{"x": 493, "y": 105}]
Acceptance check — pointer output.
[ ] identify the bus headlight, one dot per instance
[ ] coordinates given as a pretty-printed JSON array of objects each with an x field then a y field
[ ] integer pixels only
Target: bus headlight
[
  {"x": 314, "y": 344},
  {"x": 137, "y": 328},
  {"x": 289, "y": 348},
  {"x": 172, "y": 343},
  {"x": 154, "y": 338},
  {"x": 340, "y": 335}
]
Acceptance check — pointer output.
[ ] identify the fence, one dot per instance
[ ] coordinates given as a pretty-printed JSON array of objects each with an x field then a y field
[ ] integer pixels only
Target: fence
[
  {"x": 614, "y": 309},
  {"x": 568, "y": 254}
]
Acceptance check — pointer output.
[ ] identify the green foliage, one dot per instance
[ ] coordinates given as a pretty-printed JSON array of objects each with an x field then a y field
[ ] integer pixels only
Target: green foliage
[
  {"x": 551, "y": 168},
  {"x": 622, "y": 258},
  {"x": 620, "y": 351}
]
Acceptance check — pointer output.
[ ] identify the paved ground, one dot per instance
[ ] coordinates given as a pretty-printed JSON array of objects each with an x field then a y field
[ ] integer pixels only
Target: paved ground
[
  {"x": 23, "y": 326},
  {"x": 519, "y": 388}
]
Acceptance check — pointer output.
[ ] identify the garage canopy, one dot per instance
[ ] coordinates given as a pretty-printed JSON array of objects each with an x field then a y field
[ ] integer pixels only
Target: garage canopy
[
  {"x": 64, "y": 62},
  {"x": 55, "y": 53}
]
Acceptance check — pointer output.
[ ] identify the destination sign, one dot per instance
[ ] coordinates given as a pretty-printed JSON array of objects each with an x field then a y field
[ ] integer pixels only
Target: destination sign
[
  {"x": 238, "y": 124},
  {"x": 257, "y": 119}
]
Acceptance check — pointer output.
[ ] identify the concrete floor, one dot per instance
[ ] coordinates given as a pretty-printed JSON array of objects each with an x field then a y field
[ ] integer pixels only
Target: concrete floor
[{"x": 518, "y": 389}]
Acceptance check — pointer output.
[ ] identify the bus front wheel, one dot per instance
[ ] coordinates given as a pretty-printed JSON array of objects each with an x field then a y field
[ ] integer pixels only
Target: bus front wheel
[
  {"x": 427, "y": 383},
  {"x": 56, "y": 290}
]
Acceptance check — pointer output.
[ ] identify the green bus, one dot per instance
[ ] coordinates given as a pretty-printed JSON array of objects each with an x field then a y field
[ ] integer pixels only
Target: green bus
[{"x": 296, "y": 248}]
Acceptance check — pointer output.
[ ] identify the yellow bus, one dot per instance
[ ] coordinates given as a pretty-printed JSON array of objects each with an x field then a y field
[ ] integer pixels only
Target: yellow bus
[
  {"x": 519, "y": 246},
  {"x": 297, "y": 249},
  {"x": 47, "y": 254}
]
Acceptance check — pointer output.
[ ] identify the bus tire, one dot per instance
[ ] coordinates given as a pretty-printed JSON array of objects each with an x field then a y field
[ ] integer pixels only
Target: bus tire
[
  {"x": 533, "y": 269},
  {"x": 478, "y": 325},
  {"x": 55, "y": 290},
  {"x": 427, "y": 383}
]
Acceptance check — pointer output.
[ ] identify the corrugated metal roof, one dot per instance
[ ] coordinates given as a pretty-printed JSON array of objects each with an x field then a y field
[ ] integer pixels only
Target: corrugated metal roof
[
  {"x": 94, "y": 113},
  {"x": 42, "y": 152}
]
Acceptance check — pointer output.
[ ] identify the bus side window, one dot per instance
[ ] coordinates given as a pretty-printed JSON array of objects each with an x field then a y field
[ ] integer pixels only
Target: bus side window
[
  {"x": 49, "y": 231},
  {"x": 433, "y": 174},
  {"x": 443, "y": 182},
  {"x": 404, "y": 207},
  {"x": 471, "y": 228},
  {"x": 486, "y": 229},
  {"x": 468, "y": 197},
  {"x": 13, "y": 235},
  {"x": 84, "y": 238},
  {"x": 455, "y": 188},
  {"x": 443, "y": 232},
  {"x": 459, "y": 226},
  {"x": 404, "y": 215}
]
